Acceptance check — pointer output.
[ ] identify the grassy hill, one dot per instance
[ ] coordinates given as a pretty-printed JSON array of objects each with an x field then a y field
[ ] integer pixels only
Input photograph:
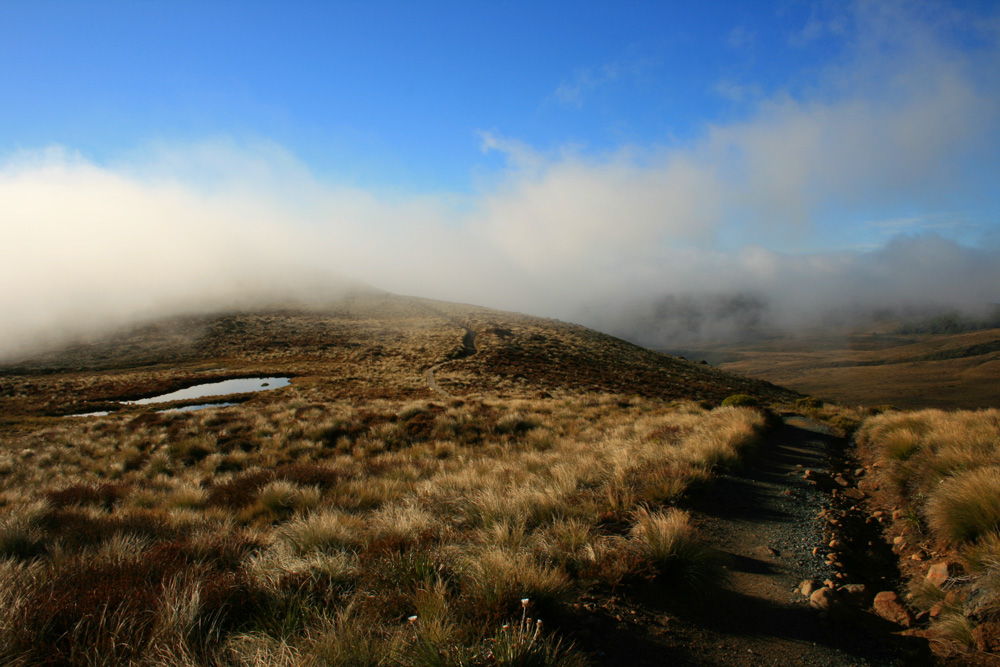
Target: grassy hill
[
  {"x": 356, "y": 516},
  {"x": 434, "y": 479},
  {"x": 365, "y": 345}
]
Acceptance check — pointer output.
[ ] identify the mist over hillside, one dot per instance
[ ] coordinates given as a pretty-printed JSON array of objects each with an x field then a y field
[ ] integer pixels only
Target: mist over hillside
[
  {"x": 679, "y": 321},
  {"x": 829, "y": 195}
]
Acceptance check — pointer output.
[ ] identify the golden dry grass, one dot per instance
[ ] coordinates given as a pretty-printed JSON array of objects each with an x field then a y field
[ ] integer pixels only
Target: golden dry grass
[
  {"x": 305, "y": 525},
  {"x": 310, "y": 529},
  {"x": 945, "y": 467}
]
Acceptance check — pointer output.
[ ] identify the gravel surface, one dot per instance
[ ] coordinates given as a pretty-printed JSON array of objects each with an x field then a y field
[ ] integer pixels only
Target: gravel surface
[{"x": 765, "y": 516}]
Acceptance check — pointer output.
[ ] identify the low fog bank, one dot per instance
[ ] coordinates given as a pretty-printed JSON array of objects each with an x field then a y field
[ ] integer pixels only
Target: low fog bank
[
  {"x": 923, "y": 284},
  {"x": 868, "y": 191},
  {"x": 67, "y": 323},
  {"x": 87, "y": 248},
  {"x": 684, "y": 323}
]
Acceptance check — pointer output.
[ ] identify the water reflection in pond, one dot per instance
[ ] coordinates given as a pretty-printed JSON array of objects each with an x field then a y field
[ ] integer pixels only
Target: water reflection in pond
[{"x": 238, "y": 386}]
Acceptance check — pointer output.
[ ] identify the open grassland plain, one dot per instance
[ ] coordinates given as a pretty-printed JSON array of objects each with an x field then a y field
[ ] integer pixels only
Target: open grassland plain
[
  {"x": 356, "y": 516},
  {"x": 913, "y": 371},
  {"x": 936, "y": 477}
]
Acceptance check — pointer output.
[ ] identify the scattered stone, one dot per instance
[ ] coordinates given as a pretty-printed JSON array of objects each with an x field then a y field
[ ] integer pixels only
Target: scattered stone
[
  {"x": 824, "y": 599},
  {"x": 816, "y": 551},
  {"x": 899, "y": 539},
  {"x": 807, "y": 587},
  {"x": 841, "y": 480},
  {"x": 878, "y": 514},
  {"x": 859, "y": 472},
  {"x": 829, "y": 583},
  {"x": 771, "y": 551},
  {"x": 940, "y": 573},
  {"x": 888, "y": 606},
  {"x": 836, "y": 544},
  {"x": 854, "y": 494},
  {"x": 917, "y": 556},
  {"x": 897, "y": 515}
]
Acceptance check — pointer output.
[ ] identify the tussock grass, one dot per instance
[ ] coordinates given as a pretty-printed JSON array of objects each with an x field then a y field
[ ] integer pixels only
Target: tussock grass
[
  {"x": 21, "y": 535},
  {"x": 923, "y": 451},
  {"x": 325, "y": 531},
  {"x": 495, "y": 579},
  {"x": 281, "y": 498},
  {"x": 668, "y": 541},
  {"x": 966, "y": 505},
  {"x": 350, "y": 639},
  {"x": 945, "y": 469},
  {"x": 984, "y": 553},
  {"x": 954, "y": 625},
  {"x": 304, "y": 531}
]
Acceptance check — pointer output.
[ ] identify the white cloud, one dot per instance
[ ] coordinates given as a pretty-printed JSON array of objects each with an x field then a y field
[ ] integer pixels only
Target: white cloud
[{"x": 194, "y": 226}]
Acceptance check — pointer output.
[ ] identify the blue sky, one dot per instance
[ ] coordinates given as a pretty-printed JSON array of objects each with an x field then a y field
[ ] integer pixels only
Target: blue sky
[
  {"x": 392, "y": 94},
  {"x": 607, "y": 151}
]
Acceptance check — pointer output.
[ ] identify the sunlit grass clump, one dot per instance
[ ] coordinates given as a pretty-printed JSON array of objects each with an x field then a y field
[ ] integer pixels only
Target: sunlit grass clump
[
  {"x": 966, "y": 505},
  {"x": 669, "y": 542}
]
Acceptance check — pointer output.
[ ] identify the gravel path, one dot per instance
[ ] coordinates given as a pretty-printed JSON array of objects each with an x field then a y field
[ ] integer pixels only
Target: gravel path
[{"x": 764, "y": 516}]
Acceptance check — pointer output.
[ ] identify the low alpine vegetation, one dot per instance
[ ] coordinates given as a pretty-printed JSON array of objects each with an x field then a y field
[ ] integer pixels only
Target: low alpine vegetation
[{"x": 313, "y": 531}]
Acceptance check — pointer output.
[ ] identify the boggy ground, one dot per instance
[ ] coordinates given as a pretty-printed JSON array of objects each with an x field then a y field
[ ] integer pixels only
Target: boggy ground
[{"x": 764, "y": 516}]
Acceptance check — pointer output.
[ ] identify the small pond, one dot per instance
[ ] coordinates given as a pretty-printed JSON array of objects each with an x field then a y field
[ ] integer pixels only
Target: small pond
[{"x": 237, "y": 386}]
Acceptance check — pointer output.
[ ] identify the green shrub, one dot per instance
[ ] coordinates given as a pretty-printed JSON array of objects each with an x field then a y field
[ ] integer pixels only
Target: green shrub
[
  {"x": 740, "y": 401},
  {"x": 808, "y": 403}
]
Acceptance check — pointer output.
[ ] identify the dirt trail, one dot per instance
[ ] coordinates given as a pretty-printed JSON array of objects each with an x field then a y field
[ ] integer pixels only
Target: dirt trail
[
  {"x": 765, "y": 517},
  {"x": 468, "y": 349}
]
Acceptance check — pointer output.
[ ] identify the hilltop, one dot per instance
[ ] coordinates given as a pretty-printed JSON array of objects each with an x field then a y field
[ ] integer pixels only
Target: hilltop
[{"x": 371, "y": 345}]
